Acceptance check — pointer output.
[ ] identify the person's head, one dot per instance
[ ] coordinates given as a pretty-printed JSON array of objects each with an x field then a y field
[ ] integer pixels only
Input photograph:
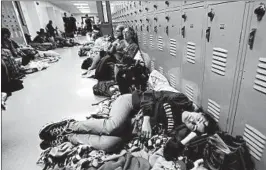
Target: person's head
[
  {"x": 129, "y": 34},
  {"x": 96, "y": 33},
  {"x": 86, "y": 16},
  {"x": 5, "y": 33},
  {"x": 72, "y": 15},
  {"x": 41, "y": 32},
  {"x": 65, "y": 14},
  {"x": 51, "y": 22},
  {"x": 119, "y": 32},
  {"x": 200, "y": 122}
]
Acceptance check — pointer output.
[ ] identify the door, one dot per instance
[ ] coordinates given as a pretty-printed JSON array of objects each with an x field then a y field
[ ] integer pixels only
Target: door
[
  {"x": 250, "y": 115},
  {"x": 172, "y": 63},
  {"x": 192, "y": 61},
  {"x": 222, "y": 48}
]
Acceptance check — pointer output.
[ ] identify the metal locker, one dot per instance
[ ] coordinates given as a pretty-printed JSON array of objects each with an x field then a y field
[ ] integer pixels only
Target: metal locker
[
  {"x": 160, "y": 53},
  {"x": 250, "y": 115},
  {"x": 192, "y": 58},
  {"x": 172, "y": 63},
  {"x": 222, "y": 46}
]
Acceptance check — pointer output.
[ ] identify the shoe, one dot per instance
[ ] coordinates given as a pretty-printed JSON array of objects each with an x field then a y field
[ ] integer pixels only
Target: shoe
[
  {"x": 53, "y": 143},
  {"x": 52, "y": 130}
]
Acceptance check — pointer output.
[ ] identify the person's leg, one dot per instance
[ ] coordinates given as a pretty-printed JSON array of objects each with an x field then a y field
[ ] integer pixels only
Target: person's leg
[
  {"x": 95, "y": 61},
  {"x": 114, "y": 125},
  {"x": 117, "y": 123},
  {"x": 106, "y": 143}
]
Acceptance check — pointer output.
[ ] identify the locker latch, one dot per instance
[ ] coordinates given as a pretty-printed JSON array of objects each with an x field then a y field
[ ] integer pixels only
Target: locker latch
[
  {"x": 155, "y": 29},
  {"x": 148, "y": 30},
  {"x": 166, "y": 30},
  {"x": 155, "y": 18},
  {"x": 184, "y": 16},
  {"x": 211, "y": 14},
  {"x": 167, "y": 3},
  {"x": 146, "y": 9},
  {"x": 155, "y": 6},
  {"x": 183, "y": 31},
  {"x": 167, "y": 18},
  {"x": 141, "y": 28},
  {"x": 208, "y": 33},
  {"x": 251, "y": 38},
  {"x": 260, "y": 11}
]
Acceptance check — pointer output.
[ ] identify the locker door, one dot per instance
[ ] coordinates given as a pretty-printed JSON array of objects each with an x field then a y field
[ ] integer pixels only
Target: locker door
[
  {"x": 192, "y": 69},
  {"x": 161, "y": 51},
  {"x": 221, "y": 57},
  {"x": 250, "y": 116},
  {"x": 173, "y": 58},
  {"x": 150, "y": 33}
]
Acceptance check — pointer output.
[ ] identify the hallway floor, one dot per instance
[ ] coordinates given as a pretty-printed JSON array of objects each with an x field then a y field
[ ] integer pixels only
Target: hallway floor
[{"x": 49, "y": 95}]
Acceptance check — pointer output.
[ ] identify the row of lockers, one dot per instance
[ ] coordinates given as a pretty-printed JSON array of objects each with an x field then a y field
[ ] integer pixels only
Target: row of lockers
[
  {"x": 215, "y": 53},
  {"x": 10, "y": 21}
]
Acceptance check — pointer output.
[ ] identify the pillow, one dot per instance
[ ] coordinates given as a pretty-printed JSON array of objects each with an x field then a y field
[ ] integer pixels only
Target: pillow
[{"x": 159, "y": 82}]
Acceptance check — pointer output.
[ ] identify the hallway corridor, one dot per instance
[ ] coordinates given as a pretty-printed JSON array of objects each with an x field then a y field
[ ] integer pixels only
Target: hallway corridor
[{"x": 49, "y": 95}]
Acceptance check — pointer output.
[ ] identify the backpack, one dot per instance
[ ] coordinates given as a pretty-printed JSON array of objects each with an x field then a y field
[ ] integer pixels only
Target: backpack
[
  {"x": 105, "y": 69},
  {"x": 102, "y": 88},
  {"x": 86, "y": 63}
]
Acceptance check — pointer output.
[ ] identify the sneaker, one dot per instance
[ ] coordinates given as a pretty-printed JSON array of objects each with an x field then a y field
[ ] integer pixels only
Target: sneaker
[
  {"x": 52, "y": 130},
  {"x": 53, "y": 143}
]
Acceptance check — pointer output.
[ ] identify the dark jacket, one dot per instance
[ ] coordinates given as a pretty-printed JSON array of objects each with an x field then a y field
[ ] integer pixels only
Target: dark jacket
[{"x": 152, "y": 104}]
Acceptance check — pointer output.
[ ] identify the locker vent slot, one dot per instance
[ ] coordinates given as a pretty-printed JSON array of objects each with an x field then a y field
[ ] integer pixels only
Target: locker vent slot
[
  {"x": 260, "y": 81},
  {"x": 151, "y": 41},
  {"x": 214, "y": 109},
  {"x": 173, "y": 47},
  {"x": 191, "y": 52},
  {"x": 189, "y": 92},
  {"x": 160, "y": 43},
  {"x": 152, "y": 65},
  {"x": 219, "y": 61},
  {"x": 161, "y": 70},
  {"x": 255, "y": 141},
  {"x": 144, "y": 38},
  {"x": 172, "y": 80}
]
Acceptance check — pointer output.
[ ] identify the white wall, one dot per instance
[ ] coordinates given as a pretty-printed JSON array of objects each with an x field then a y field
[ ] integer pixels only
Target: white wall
[{"x": 37, "y": 16}]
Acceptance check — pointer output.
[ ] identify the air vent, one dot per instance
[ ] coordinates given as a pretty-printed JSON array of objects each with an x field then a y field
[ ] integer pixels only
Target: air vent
[
  {"x": 219, "y": 61},
  {"x": 173, "y": 47},
  {"x": 144, "y": 38},
  {"x": 260, "y": 81},
  {"x": 151, "y": 41},
  {"x": 161, "y": 70},
  {"x": 172, "y": 80},
  {"x": 189, "y": 92},
  {"x": 214, "y": 109},
  {"x": 255, "y": 141},
  {"x": 152, "y": 65},
  {"x": 191, "y": 52},
  {"x": 160, "y": 43}
]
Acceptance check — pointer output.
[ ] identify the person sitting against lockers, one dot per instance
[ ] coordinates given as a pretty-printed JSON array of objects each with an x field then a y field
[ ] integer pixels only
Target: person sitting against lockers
[
  {"x": 17, "y": 52},
  {"x": 41, "y": 41},
  {"x": 118, "y": 43}
]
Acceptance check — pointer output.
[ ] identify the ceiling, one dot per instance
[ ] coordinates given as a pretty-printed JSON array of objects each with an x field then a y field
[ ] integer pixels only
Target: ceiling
[{"x": 76, "y": 7}]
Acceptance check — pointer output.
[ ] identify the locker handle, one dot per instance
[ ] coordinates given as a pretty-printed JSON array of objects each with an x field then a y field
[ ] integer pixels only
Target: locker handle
[
  {"x": 251, "y": 38},
  {"x": 183, "y": 31},
  {"x": 208, "y": 33},
  {"x": 155, "y": 6},
  {"x": 167, "y": 3},
  {"x": 260, "y": 11},
  {"x": 166, "y": 30},
  {"x": 211, "y": 14},
  {"x": 184, "y": 16}
]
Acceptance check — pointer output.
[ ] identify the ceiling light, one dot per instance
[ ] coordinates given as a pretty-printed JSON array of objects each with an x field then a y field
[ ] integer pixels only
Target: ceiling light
[
  {"x": 80, "y": 4},
  {"x": 83, "y": 7}
]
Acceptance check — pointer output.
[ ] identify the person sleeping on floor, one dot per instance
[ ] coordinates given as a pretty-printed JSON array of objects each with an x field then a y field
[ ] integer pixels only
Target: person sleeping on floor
[{"x": 110, "y": 134}]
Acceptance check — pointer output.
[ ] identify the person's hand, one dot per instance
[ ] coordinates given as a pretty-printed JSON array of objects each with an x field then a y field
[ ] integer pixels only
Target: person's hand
[{"x": 146, "y": 131}]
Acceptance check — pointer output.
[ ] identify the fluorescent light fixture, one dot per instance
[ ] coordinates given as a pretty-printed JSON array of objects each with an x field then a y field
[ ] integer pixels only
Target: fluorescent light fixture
[
  {"x": 83, "y": 7},
  {"x": 80, "y": 4}
]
